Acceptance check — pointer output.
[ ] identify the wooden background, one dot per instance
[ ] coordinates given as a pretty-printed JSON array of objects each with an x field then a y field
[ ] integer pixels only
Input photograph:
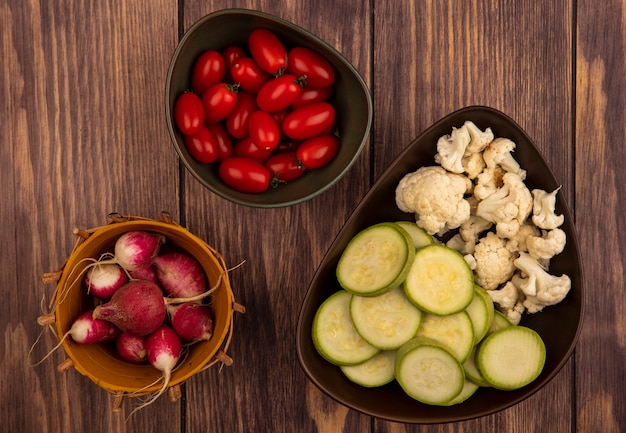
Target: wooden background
[{"x": 82, "y": 134}]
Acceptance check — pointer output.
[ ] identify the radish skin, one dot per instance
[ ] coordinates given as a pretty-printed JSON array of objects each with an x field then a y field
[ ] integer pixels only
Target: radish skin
[
  {"x": 137, "y": 249},
  {"x": 180, "y": 275},
  {"x": 87, "y": 330},
  {"x": 104, "y": 279},
  {"x": 191, "y": 321},
  {"x": 164, "y": 349},
  {"x": 137, "y": 308},
  {"x": 131, "y": 348},
  {"x": 148, "y": 273}
]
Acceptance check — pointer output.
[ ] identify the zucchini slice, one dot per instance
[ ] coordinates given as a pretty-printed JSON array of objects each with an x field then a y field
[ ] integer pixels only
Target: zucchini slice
[
  {"x": 377, "y": 371},
  {"x": 511, "y": 357},
  {"x": 419, "y": 236},
  {"x": 481, "y": 311},
  {"x": 385, "y": 321},
  {"x": 439, "y": 281},
  {"x": 334, "y": 335},
  {"x": 454, "y": 331},
  {"x": 375, "y": 260},
  {"x": 428, "y": 372}
]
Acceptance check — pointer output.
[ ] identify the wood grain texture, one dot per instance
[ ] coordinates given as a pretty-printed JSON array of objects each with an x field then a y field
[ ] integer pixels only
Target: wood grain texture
[{"x": 83, "y": 134}]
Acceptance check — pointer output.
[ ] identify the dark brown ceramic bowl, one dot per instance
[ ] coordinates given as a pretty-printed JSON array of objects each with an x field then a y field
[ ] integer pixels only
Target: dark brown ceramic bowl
[
  {"x": 558, "y": 325},
  {"x": 352, "y": 102}
]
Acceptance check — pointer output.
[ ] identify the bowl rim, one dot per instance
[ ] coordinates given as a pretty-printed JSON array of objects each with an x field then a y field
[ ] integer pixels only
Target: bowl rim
[
  {"x": 292, "y": 27},
  {"x": 525, "y": 392}
]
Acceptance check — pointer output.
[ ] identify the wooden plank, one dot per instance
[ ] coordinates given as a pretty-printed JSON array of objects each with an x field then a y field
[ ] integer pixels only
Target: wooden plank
[
  {"x": 82, "y": 135},
  {"x": 600, "y": 180},
  {"x": 431, "y": 58},
  {"x": 265, "y": 389}
]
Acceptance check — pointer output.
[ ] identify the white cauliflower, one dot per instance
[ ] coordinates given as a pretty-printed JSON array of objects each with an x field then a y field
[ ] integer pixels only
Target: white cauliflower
[
  {"x": 494, "y": 262},
  {"x": 459, "y": 244},
  {"x": 451, "y": 149},
  {"x": 508, "y": 207},
  {"x": 544, "y": 204},
  {"x": 487, "y": 182},
  {"x": 548, "y": 245},
  {"x": 478, "y": 139},
  {"x": 518, "y": 242},
  {"x": 509, "y": 301},
  {"x": 436, "y": 196},
  {"x": 540, "y": 288},
  {"x": 473, "y": 164},
  {"x": 498, "y": 154}
]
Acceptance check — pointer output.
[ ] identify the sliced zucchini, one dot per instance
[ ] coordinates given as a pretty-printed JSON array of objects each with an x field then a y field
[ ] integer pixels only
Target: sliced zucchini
[
  {"x": 375, "y": 260},
  {"x": 469, "y": 388},
  {"x": 439, "y": 280},
  {"x": 377, "y": 371},
  {"x": 481, "y": 311},
  {"x": 499, "y": 321},
  {"x": 428, "y": 372},
  {"x": 419, "y": 236},
  {"x": 385, "y": 321},
  {"x": 511, "y": 357},
  {"x": 471, "y": 370},
  {"x": 334, "y": 335},
  {"x": 454, "y": 331}
]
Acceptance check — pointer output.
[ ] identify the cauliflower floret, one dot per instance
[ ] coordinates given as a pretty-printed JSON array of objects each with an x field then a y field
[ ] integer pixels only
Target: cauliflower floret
[
  {"x": 544, "y": 204},
  {"x": 494, "y": 262},
  {"x": 498, "y": 153},
  {"x": 436, "y": 197},
  {"x": 487, "y": 182},
  {"x": 518, "y": 242},
  {"x": 473, "y": 164},
  {"x": 451, "y": 148},
  {"x": 459, "y": 244},
  {"x": 508, "y": 207},
  {"x": 509, "y": 301},
  {"x": 473, "y": 227},
  {"x": 541, "y": 288},
  {"x": 479, "y": 139},
  {"x": 548, "y": 245}
]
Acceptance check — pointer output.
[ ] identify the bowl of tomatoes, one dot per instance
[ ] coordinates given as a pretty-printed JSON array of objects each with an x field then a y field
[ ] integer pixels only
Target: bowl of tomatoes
[{"x": 261, "y": 111}]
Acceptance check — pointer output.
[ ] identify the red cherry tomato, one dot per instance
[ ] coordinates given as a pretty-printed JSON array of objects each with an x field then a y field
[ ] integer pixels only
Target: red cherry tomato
[
  {"x": 231, "y": 55},
  {"x": 188, "y": 113},
  {"x": 219, "y": 101},
  {"x": 279, "y": 93},
  {"x": 263, "y": 130},
  {"x": 246, "y": 148},
  {"x": 237, "y": 121},
  {"x": 285, "y": 167},
  {"x": 207, "y": 70},
  {"x": 309, "y": 120},
  {"x": 287, "y": 145},
  {"x": 312, "y": 94},
  {"x": 318, "y": 151},
  {"x": 249, "y": 75},
  {"x": 268, "y": 51},
  {"x": 202, "y": 145},
  {"x": 245, "y": 174},
  {"x": 304, "y": 61},
  {"x": 223, "y": 140}
]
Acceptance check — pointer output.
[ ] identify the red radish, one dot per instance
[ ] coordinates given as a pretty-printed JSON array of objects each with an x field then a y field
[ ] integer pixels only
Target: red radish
[
  {"x": 104, "y": 279},
  {"x": 137, "y": 249},
  {"x": 131, "y": 347},
  {"x": 180, "y": 275},
  {"x": 148, "y": 273},
  {"x": 87, "y": 330},
  {"x": 138, "y": 307},
  {"x": 164, "y": 350},
  {"x": 191, "y": 321}
]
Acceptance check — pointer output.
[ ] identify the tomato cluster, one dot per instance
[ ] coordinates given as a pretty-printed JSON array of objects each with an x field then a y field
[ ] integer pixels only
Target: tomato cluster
[{"x": 263, "y": 112}]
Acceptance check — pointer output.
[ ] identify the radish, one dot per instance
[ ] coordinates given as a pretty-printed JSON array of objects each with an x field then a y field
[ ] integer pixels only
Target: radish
[
  {"x": 164, "y": 349},
  {"x": 138, "y": 307},
  {"x": 191, "y": 321},
  {"x": 104, "y": 279},
  {"x": 180, "y": 275},
  {"x": 137, "y": 249},
  {"x": 86, "y": 330},
  {"x": 148, "y": 273},
  {"x": 131, "y": 348}
]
